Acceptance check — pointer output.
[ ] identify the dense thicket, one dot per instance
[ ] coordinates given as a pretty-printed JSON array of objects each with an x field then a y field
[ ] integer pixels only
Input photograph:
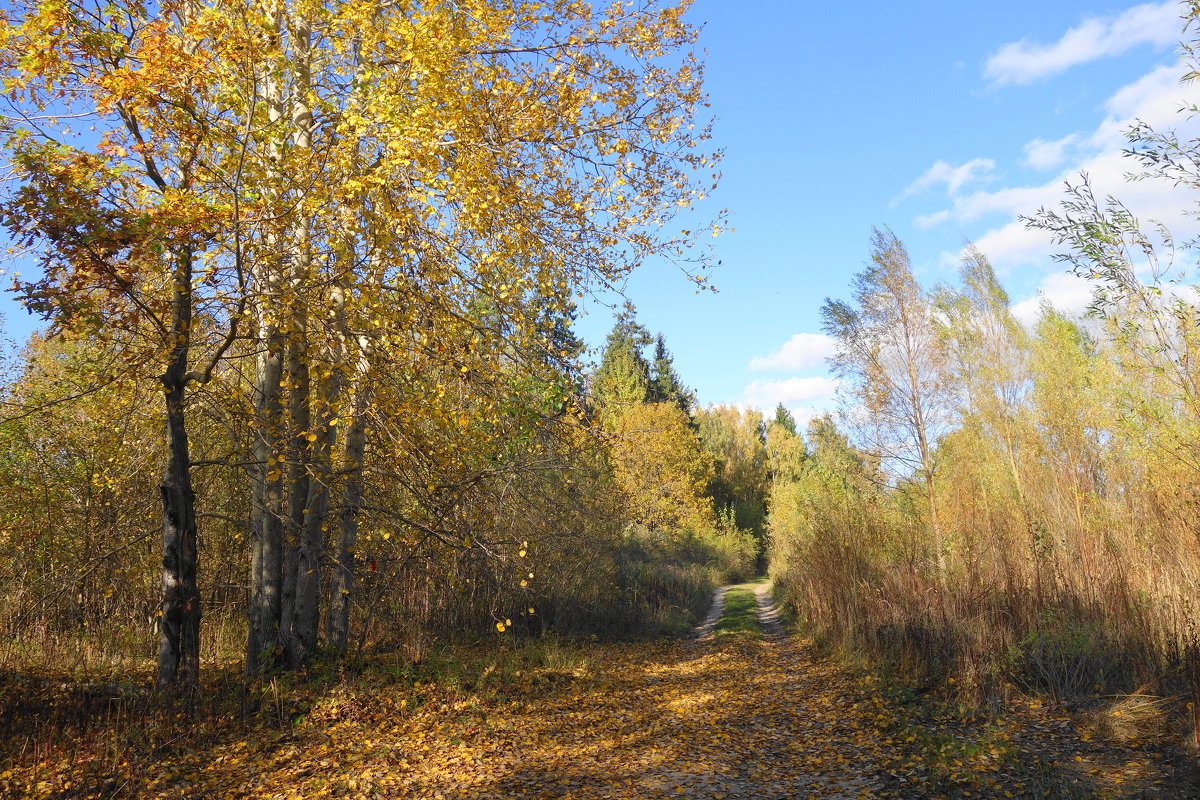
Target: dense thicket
[
  {"x": 537, "y": 517},
  {"x": 1011, "y": 505}
]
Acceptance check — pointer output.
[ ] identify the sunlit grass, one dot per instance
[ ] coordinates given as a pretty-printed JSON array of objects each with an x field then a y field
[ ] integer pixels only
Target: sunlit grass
[{"x": 739, "y": 615}]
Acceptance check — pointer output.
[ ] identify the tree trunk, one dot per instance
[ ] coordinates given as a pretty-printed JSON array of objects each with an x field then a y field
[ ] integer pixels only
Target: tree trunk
[
  {"x": 267, "y": 509},
  {"x": 297, "y": 635},
  {"x": 316, "y": 514},
  {"x": 267, "y": 522},
  {"x": 337, "y": 623},
  {"x": 179, "y": 633},
  {"x": 302, "y": 568}
]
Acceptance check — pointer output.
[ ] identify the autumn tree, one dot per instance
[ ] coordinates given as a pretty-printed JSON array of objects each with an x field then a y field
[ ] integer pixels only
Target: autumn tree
[
  {"x": 662, "y": 468},
  {"x": 332, "y": 190},
  {"x": 735, "y": 439},
  {"x": 826, "y": 507},
  {"x": 1137, "y": 274},
  {"x": 76, "y": 488},
  {"x": 136, "y": 224},
  {"x": 469, "y": 220},
  {"x": 987, "y": 361},
  {"x": 786, "y": 450},
  {"x": 891, "y": 357},
  {"x": 654, "y": 452}
]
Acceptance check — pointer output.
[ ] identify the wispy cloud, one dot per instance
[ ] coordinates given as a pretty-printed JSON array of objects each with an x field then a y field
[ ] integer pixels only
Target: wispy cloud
[
  {"x": 804, "y": 415},
  {"x": 1041, "y": 154},
  {"x": 1096, "y": 37},
  {"x": 790, "y": 392},
  {"x": 1067, "y": 293},
  {"x": 1071, "y": 295},
  {"x": 1154, "y": 98},
  {"x": 802, "y": 351},
  {"x": 953, "y": 178}
]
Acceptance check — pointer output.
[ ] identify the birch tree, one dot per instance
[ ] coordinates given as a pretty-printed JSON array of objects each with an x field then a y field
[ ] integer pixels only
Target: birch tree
[
  {"x": 328, "y": 189},
  {"x": 889, "y": 354},
  {"x": 125, "y": 189}
]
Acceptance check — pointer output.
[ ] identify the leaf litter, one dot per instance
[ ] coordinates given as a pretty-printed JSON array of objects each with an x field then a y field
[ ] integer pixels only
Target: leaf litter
[{"x": 726, "y": 718}]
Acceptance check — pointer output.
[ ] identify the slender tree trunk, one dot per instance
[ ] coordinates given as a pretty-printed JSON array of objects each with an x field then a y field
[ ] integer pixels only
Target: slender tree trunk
[
  {"x": 341, "y": 591},
  {"x": 316, "y": 513},
  {"x": 267, "y": 510},
  {"x": 300, "y": 561},
  {"x": 926, "y": 455},
  {"x": 303, "y": 562},
  {"x": 179, "y": 633}
]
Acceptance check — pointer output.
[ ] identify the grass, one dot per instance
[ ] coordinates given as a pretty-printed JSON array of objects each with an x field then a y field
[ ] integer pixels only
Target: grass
[{"x": 739, "y": 615}]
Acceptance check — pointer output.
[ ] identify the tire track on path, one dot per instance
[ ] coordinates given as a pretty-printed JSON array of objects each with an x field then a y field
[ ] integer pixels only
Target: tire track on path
[
  {"x": 809, "y": 745},
  {"x": 769, "y": 615},
  {"x": 705, "y": 629}
]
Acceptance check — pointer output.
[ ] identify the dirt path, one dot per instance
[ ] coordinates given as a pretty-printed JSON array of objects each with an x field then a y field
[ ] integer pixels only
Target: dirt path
[
  {"x": 802, "y": 750},
  {"x": 727, "y": 717},
  {"x": 768, "y": 612},
  {"x": 723, "y": 718},
  {"x": 705, "y": 629}
]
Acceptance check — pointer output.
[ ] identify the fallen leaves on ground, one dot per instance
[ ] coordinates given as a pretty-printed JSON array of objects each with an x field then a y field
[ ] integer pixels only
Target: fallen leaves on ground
[{"x": 731, "y": 718}]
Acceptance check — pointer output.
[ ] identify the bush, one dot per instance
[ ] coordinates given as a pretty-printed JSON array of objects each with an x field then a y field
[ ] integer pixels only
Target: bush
[{"x": 1066, "y": 657}]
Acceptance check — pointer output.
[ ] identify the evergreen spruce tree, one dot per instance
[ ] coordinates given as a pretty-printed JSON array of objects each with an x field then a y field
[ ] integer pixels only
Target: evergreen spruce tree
[
  {"x": 784, "y": 419},
  {"x": 665, "y": 386},
  {"x": 623, "y": 378}
]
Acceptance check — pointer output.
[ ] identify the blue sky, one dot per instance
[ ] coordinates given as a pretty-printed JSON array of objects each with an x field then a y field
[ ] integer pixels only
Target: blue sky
[{"x": 942, "y": 120}]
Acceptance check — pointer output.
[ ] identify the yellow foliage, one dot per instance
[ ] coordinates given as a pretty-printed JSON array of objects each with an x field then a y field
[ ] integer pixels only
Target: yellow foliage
[{"x": 661, "y": 468}]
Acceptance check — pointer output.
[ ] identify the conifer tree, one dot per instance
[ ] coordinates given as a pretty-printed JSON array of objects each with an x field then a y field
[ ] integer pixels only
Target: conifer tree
[
  {"x": 665, "y": 385},
  {"x": 623, "y": 378},
  {"x": 784, "y": 419}
]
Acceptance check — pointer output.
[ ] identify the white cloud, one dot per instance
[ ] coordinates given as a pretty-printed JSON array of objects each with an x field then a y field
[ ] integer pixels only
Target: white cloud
[
  {"x": 932, "y": 220},
  {"x": 1157, "y": 24},
  {"x": 1009, "y": 200},
  {"x": 804, "y": 415},
  {"x": 790, "y": 392},
  {"x": 954, "y": 178},
  {"x": 802, "y": 351},
  {"x": 1067, "y": 292},
  {"x": 1154, "y": 98},
  {"x": 1015, "y": 243},
  {"x": 1071, "y": 295},
  {"x": 1041, "y": 154}
]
